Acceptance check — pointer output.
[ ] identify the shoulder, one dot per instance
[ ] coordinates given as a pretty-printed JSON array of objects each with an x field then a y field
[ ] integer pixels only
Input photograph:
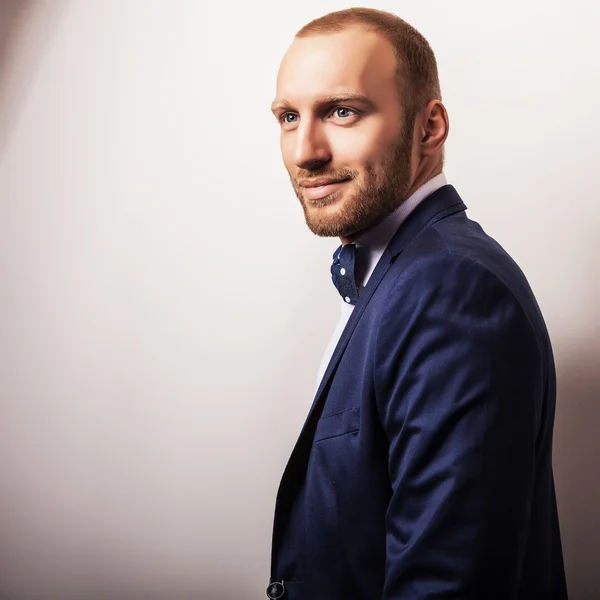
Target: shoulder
[
  {"x": 444, "y": 273},
  {"x": 455, "y": 259},
  {"x": 449, "y": 291}
]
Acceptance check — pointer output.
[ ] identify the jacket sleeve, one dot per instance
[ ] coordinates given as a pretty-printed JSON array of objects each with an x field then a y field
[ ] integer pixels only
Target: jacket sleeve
[{"x": 459, "y": 381}]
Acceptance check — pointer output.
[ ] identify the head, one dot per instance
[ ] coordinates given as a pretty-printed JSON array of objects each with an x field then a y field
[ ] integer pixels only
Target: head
[{"x": 361, "y": 118}]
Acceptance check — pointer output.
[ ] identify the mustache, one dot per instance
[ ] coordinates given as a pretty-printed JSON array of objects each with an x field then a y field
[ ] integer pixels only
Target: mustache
[{"x": 314, "y": 175}]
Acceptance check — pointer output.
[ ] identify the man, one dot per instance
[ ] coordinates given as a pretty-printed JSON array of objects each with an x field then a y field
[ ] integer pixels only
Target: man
[{"x": 424, "y": 468}]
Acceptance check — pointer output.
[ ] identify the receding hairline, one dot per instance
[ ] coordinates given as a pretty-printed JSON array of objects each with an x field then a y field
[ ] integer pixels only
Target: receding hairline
[
  {"x": 349, "y": 27},
  {"x": 281, "y": 103},
  {"x": 416, "y": 65}
]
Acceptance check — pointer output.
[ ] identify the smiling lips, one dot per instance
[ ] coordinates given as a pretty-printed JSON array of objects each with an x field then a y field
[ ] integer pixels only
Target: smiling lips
[{"x": 319, "y": 188}]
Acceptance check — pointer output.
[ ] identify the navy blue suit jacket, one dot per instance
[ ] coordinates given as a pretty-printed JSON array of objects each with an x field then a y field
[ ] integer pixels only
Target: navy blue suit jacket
[{"x": 424, "y": 468}]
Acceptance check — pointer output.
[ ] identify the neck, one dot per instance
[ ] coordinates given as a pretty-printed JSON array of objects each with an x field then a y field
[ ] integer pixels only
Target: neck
[{"x": 423, "y": 174}]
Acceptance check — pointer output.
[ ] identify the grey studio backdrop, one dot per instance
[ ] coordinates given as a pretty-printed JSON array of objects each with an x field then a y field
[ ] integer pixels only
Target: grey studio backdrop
[{"x": 163, "y": 307}]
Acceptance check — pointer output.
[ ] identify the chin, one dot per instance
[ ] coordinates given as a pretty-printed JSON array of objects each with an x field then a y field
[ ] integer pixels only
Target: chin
[
  {"x": 327, "y": 223},
  {"x": 328, "y": 216}
]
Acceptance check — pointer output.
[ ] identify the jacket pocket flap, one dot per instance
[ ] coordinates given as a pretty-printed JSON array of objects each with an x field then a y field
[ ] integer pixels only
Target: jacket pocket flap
[{"x": 341, "y": 423}]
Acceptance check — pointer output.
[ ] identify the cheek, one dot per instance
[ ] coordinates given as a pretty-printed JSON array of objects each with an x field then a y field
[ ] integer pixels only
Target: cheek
[
  {"x": 364, "y": 154},
  {"x": 372, "y": 171},
  {"x": 357, "y": 151},
  {"x": 287, "y": 152}
]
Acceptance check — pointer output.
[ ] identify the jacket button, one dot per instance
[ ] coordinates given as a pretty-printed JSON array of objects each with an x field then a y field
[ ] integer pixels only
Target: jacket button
[{"x": 275, "y": 590}]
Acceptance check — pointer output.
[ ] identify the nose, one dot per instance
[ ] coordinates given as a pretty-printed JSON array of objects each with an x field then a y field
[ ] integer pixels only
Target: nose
[{"x": 311, "y": 150}]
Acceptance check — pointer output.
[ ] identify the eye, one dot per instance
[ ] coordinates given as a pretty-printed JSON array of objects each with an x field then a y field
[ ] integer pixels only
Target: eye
[
  {"x": 284, "y": 118},
  {"x": 343, "y": 112}
]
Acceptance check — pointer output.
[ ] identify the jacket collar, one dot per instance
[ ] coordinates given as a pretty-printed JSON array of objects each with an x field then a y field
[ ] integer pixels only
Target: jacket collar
[{"x": 441, "y": 203}]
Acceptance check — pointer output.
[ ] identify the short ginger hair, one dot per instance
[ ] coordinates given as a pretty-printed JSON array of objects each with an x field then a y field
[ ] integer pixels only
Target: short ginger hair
[{"x": 416, "y": 74}]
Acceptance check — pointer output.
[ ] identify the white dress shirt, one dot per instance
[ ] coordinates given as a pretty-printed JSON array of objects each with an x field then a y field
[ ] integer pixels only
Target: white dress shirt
[{"x": 369, "y": 248}]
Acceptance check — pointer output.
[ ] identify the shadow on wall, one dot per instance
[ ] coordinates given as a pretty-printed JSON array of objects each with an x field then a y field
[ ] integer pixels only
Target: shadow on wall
[
  {"x": 577, "y": 427},
  {"x": 25, "y": 29},
  {"x": 576, "y": 460}
]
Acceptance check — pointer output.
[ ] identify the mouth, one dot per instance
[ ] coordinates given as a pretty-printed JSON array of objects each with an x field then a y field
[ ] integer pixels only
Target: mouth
[{"x": 320, "y": 191}]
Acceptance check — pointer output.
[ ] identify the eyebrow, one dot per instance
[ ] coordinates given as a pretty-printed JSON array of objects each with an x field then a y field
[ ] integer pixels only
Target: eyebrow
[{"x": 283, "y": 104}]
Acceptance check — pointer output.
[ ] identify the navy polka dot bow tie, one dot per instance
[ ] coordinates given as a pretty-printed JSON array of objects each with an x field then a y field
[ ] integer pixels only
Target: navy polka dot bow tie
[{"x": 342, "y": 273}]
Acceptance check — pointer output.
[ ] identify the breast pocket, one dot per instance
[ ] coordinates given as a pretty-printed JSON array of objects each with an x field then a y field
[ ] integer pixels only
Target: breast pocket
[{"x": 338, "y": 424}]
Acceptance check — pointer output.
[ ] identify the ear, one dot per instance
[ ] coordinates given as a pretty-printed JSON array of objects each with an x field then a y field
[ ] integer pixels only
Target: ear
[{"x": 433, "y": 128}]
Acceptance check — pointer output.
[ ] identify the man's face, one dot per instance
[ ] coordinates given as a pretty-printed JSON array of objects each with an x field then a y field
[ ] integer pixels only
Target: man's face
[{"x": 342, "y": 122}]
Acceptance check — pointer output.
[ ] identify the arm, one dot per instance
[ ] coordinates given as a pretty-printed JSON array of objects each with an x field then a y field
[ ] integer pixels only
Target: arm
[{"x": 459, "y": 384}]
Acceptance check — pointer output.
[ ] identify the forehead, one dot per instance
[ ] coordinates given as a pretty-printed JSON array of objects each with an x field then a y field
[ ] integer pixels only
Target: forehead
[{"x": 353, "y": 60}]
